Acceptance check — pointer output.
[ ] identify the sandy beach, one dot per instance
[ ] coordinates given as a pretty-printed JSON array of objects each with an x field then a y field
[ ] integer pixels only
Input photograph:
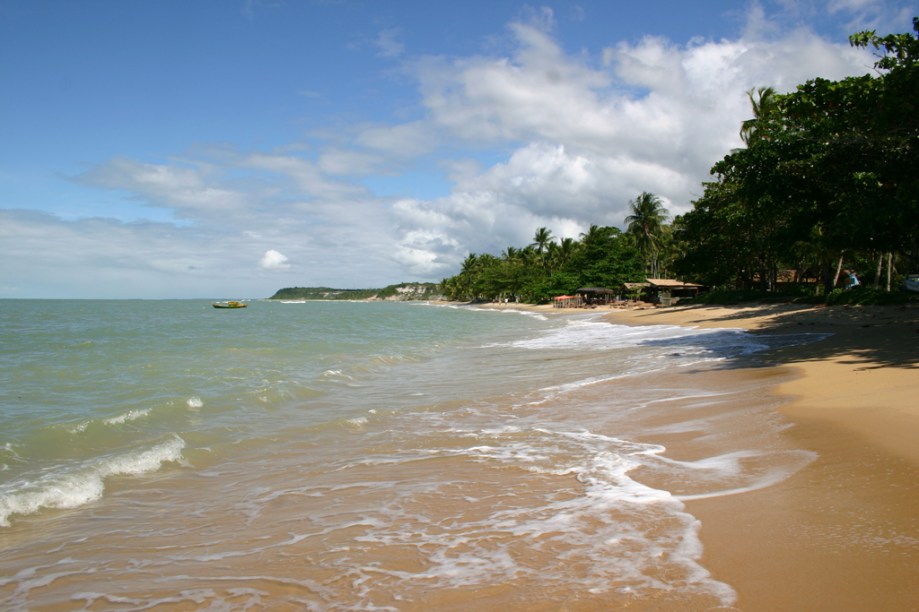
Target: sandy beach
[{"x": 843, "y": 533}]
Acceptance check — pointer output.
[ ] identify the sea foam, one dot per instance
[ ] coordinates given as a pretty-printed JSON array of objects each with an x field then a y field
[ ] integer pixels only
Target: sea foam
[
  {"x": 130, "y": 415},
  {"x": 61, "y": 487}
]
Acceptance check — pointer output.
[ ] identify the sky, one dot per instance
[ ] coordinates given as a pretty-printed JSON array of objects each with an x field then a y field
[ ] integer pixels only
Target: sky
[{"x": 228, "y": 148}]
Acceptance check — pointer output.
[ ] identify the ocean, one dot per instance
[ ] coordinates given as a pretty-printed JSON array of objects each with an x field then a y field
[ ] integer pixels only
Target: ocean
[{"x": 368, "y": 456}]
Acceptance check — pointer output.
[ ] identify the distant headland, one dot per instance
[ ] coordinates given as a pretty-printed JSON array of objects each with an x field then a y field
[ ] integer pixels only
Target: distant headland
[{"x": 402, "y": 292}]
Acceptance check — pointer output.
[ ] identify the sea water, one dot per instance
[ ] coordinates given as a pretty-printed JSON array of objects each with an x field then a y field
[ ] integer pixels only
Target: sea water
[{"x": 365, "y": 455}]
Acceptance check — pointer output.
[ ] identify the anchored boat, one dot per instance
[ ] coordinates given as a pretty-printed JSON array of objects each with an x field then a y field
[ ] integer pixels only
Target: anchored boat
[{"x": 229, "y": 305}]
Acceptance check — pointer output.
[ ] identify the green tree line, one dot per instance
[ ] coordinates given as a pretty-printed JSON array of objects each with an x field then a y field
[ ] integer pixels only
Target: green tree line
[
  {"x": 827, "y": 179},
  {"x": 601, "y": 257}
]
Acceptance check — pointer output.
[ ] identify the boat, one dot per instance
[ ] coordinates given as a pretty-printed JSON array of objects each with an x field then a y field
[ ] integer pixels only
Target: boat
[{"x": 231, "y": 304}]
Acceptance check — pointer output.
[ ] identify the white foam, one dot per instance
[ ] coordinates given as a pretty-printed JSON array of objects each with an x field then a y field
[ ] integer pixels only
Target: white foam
[
  {"x": 692, "y": 345},
  {"x": 620, "y": 533},
  {"x": 334, "y": 374},
  {"x": 728, "y": 465},
  {"x": 194, "y": 402},
  {"x": 66, "y": 487},
  {"x": 594, "y": 335},
  {"x": 515, "y": 311},
  {"x": 130, "y": 415},
  {"x": 580, "y": 384},
  {"x": 79, "y": 427}
]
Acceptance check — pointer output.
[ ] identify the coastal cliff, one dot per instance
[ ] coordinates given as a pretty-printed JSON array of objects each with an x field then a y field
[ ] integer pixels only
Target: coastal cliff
[{"x": 402, "y": 292}]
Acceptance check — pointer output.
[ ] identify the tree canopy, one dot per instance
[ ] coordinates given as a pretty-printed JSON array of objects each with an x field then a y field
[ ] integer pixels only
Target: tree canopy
[
  {"x": 603, "y": 256},
  {"x": 828, "y": 176}
]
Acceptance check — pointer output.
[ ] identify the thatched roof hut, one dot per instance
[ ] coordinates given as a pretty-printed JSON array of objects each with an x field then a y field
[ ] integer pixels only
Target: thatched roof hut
[
  {"x": 596, "y": 295},
  {"x": 667, "y": 291}
]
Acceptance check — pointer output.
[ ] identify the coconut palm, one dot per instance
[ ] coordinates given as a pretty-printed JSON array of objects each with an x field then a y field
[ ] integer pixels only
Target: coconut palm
[
  {"x": 561, "y": 253},
  {"x": 541, "y": 240},
  {"x": 763, "y": 101},
  {"x": 645, "y": 225}
]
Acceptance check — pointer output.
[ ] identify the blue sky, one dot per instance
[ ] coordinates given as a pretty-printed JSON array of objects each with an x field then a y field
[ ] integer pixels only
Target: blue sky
[{"x": 228, "y": 148}]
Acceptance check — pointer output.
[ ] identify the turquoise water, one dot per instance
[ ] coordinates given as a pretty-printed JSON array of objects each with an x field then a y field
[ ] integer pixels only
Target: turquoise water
[{"x": 359, "y": 455}]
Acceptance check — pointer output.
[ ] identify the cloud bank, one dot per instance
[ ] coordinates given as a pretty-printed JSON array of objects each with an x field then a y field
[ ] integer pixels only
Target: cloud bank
[{"x": 496, "y": 145}]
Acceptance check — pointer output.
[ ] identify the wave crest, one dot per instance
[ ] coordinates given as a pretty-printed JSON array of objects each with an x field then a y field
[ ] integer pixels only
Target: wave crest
[{"x": 71, "y": 488}]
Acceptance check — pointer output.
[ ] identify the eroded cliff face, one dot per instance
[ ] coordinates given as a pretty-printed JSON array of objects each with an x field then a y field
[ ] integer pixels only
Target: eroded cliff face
[{"x": 404, "y": 293}]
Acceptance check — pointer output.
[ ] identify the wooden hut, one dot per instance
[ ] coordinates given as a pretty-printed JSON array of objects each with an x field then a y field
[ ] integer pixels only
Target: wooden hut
[
  {"x": 668, "y": 291},
  {"x": 593, "y": 296},
  {"x": 635, "y": 291}
]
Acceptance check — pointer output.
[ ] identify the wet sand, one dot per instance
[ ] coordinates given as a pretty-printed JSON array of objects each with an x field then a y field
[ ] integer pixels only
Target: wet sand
[{"x": 843, "y": 533}]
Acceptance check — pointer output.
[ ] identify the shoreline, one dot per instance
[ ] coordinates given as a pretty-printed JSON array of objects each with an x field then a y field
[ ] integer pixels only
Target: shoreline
[{"x": 842, "y": 533}]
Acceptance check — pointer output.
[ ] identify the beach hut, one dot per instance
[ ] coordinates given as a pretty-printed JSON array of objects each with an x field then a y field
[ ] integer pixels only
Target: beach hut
[
  {"x": 567, "y": 301},
  {"x": 596, "y": 295},
  {"x": 668, "y": 291},
  {"x": 635, "y": 291}
]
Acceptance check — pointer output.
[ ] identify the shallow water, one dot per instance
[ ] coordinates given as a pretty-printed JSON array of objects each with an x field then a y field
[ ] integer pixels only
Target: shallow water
[{"x": 367, "y": 455}]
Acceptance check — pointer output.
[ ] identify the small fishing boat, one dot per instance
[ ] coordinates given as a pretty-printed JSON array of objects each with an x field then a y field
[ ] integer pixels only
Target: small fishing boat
[{"x": 229, "y": 305}]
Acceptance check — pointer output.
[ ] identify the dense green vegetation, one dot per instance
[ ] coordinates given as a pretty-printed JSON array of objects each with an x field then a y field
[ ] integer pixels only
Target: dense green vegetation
[
  {"x": 828, "y": 180},
  {"x": 402, "y": 291},
  {"x": 604, "y": 256}
]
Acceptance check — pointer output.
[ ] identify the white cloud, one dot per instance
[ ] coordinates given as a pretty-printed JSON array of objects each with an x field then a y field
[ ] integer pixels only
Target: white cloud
[
  {"x": 188, "y": 191},
  {"x": 273, "y": 260},
  {"x": 308, "y": 178},
  {"x": 584, "y": 139},
  {"x": 539, "y": 92},
  {"x": 388, "y": 43},
  {"x": 405, "y": 140},
  {"x": 534, "y": 137}
]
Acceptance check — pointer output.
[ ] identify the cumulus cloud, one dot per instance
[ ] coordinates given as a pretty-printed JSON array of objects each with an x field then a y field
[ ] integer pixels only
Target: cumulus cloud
[
  {"x": 584, "y": 136},
  {"x": 273, "y": 260},
  {"x": 533, "y": 137}
]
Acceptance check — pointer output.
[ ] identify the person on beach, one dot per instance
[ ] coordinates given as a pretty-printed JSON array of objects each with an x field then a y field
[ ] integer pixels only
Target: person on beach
[{"x": 853, "y": 280}]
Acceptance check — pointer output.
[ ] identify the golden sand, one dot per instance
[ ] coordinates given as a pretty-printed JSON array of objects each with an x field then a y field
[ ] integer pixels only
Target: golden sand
[{"x": 843, "y": 533}]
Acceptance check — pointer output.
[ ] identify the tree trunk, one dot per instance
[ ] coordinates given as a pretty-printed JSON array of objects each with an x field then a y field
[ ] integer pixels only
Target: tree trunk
[
  {"x": 838, "y": 270},
  {"x": 889, "y": 267},
  {"x": 877, "y": 275},
  {"x": 829, "y": 282}
]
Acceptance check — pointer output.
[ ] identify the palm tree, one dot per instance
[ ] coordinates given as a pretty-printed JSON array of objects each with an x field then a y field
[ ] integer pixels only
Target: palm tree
[
  {"x": 542, "y": 239},
  {"x": 763, "y": 101},
  {"x": 541, "y": 242},
  {"x": 561, "y": 253},
  {"x": 467, "y": 277},
  {"x": 645, "y": 224},
  {"x": 470, "y": 263},
  {"x": 566, "y": 250}
]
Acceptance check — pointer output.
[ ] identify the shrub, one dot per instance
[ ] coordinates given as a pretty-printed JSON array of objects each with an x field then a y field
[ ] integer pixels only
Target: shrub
[{"x": 862, "y": 295}]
